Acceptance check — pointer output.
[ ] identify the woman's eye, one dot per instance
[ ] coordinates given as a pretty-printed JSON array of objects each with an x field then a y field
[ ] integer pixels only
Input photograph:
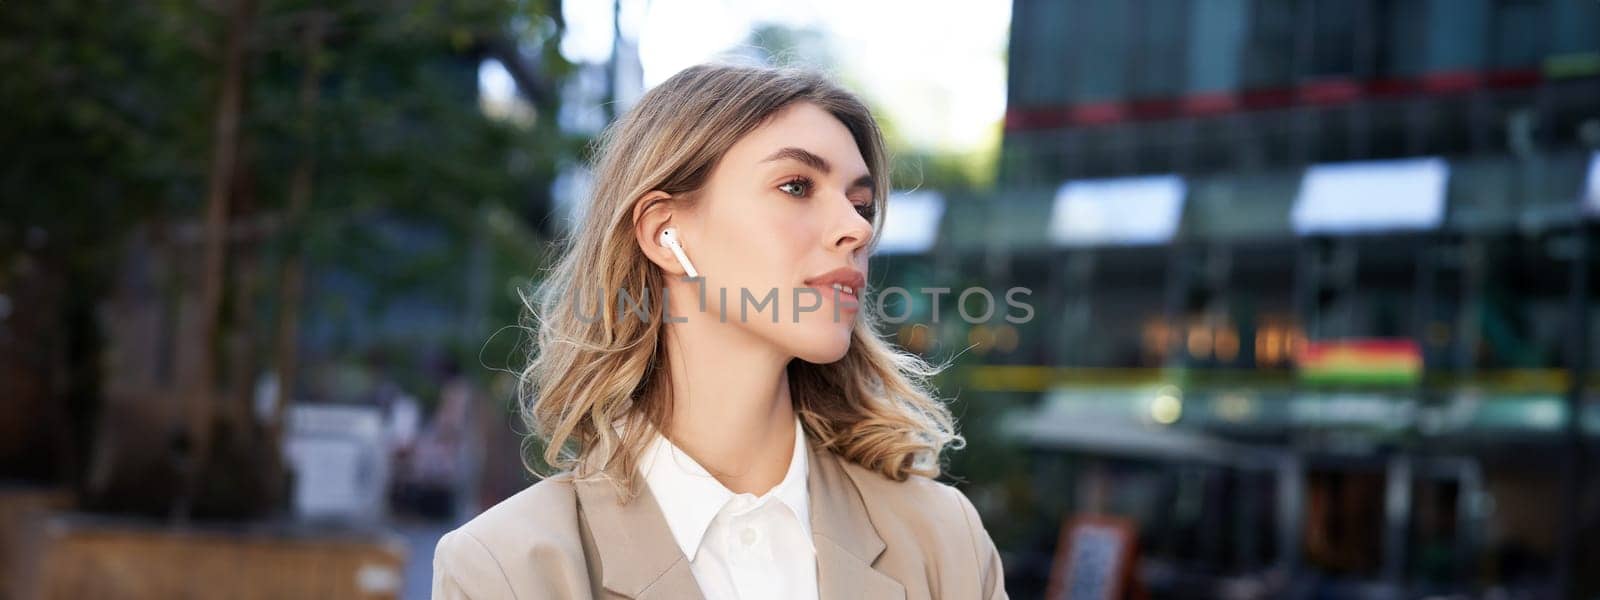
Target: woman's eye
[{"x": 796, "y": 184}]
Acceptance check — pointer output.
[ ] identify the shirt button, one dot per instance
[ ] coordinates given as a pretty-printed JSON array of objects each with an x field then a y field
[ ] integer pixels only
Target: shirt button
[{"x": 748, "y": 536}]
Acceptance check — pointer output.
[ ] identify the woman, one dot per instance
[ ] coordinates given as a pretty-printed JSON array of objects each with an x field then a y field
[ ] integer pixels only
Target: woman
[{"x": 743, "y": 433}]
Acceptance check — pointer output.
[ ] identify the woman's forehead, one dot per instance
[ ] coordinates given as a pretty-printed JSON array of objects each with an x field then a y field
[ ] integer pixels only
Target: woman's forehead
[{"x": 806, "y": 133}]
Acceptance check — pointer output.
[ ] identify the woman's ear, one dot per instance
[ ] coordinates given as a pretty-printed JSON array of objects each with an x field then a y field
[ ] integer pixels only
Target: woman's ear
[{"x": 652, "y": 214}]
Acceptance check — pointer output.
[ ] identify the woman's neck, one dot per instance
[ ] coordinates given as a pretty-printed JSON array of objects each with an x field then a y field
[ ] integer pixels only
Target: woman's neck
[{"x": 731, "y": 410}]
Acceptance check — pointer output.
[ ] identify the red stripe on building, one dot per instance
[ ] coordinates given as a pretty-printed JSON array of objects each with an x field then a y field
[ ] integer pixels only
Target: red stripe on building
[{"x": 1328, "y": 92}]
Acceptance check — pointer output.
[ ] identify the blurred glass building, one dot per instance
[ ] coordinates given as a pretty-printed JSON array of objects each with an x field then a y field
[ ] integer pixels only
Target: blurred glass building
[{"x": 1313, "y": 281}]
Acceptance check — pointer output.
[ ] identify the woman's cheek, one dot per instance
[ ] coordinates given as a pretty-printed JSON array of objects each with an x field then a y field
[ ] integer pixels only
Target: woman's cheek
[{"x": 797, "y": 233}]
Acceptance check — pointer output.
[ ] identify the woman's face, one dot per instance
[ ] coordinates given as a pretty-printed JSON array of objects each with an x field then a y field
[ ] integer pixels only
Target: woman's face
[{"x": 784, "y": 215}]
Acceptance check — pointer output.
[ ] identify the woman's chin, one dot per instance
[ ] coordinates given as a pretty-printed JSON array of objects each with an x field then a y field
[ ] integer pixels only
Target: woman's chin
[{"x": 823, "y": 349}]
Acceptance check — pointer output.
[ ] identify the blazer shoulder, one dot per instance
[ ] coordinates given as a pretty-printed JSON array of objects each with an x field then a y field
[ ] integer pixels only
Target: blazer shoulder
[
  {"x": 522, "y": 547},
  {"x": 939, "y": 520},
  {"x": 935, "y": 500},
  {"x": 545, "y": 512}
]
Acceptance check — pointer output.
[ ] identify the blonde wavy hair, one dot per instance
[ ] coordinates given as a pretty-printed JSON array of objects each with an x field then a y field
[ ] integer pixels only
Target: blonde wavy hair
[{"x": 595, "y": 389}]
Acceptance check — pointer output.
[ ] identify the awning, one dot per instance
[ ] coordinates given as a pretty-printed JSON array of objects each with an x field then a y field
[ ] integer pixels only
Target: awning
[{"x": 1505, "y": 193}]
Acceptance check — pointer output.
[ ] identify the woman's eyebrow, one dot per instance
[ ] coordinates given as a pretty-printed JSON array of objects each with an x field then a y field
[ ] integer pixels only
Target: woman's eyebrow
[
  {"x": 800, "y": 154},
  {"x": 865, "y": 182},
  {"x": 810, "y": 159}
]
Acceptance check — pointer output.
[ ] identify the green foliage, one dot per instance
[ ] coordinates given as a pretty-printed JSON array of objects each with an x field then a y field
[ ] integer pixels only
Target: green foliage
[
  {"x": 947, "y": 170},
  {"x": 106, "y": 116},
  {"x": 110, "y": 122},
  {"x": 913, "y": 167}
]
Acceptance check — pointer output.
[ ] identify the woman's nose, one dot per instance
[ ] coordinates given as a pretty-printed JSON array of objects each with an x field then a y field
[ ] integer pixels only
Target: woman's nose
[{"x": 852, "y": 231}]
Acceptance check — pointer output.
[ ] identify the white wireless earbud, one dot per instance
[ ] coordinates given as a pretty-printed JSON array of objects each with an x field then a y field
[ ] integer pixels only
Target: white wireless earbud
[{"x": 669, "y": 238}]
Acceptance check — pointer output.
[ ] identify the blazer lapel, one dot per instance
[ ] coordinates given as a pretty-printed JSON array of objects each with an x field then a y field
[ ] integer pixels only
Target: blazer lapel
[
  {"x": 846, "y": 542},
  {"x": 639, "y": 558}
]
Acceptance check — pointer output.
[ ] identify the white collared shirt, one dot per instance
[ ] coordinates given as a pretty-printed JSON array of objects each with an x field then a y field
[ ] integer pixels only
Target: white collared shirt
[{"x": 738, "y": 545}]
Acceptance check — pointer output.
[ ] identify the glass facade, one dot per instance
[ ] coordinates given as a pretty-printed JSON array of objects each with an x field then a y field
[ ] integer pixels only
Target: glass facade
[{"x": 1166, "y": 383}]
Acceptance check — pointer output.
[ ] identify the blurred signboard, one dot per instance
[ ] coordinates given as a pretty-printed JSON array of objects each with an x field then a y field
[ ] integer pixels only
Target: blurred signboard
[
  {"x": 1360, "y": 362},
  {"x": 340, "y": 458},
  {"x": 1117, "y": 212},
  {"x": 1371, "y": 196},
  {"x": 1094, "y": 559},
  {"x": 911, "y": 222}
]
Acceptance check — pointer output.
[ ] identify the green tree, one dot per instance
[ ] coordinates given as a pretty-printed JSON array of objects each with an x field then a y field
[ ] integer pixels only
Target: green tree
[{"x": 282, "y": 131}]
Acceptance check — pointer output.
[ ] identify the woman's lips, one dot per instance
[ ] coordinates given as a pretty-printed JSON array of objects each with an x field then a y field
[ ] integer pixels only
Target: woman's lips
[{"x": 847, "y": 301}]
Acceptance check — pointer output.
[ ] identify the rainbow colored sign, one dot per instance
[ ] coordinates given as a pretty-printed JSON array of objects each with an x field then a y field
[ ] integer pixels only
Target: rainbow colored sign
[{"x": 1373, "y": 361}]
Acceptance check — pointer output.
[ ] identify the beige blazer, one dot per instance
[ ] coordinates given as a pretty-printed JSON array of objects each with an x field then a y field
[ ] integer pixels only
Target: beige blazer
[{"x": 566, "y": 538}]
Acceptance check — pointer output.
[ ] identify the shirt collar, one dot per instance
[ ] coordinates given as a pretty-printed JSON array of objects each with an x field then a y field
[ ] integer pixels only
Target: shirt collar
[{"x": 690, "y": 497}]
